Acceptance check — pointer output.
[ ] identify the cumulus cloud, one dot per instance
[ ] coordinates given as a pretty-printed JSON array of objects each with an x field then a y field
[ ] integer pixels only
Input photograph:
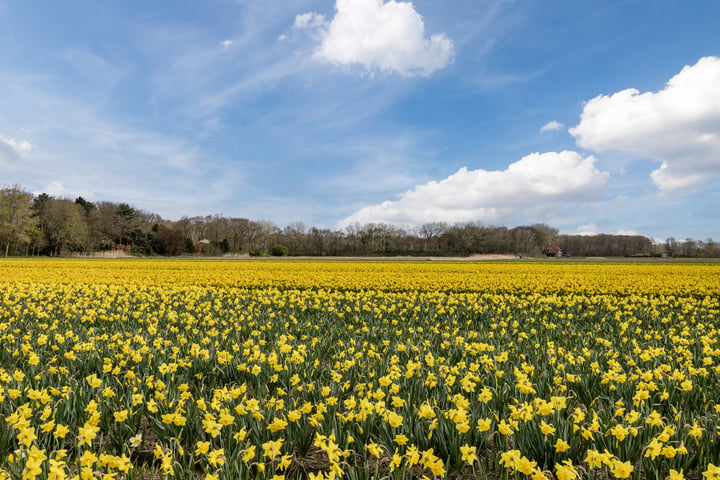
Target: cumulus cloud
[
  {"x": 534, "y": 184},
  {"x": 379, "y": 35},
  {"x": 678, "y": 126},
  {"x": 12, "y": 149},
  {"x": 551, "y": 125}
]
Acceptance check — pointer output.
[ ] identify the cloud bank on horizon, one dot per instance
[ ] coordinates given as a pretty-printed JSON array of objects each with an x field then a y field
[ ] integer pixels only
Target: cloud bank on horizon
[{"x": 536, "y": 182}]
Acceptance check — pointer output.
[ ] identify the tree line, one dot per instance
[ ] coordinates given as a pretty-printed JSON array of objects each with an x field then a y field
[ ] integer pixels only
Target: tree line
[{"x": 33, "y": 225}]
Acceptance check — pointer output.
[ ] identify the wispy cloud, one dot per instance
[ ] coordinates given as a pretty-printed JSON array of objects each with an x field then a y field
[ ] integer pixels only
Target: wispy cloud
[
  {"x": 88, "y": 69},
  {"x": 78, "y": 149}
]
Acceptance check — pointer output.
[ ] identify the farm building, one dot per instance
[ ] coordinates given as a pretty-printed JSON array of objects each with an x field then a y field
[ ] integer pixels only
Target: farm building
[
  {"x": 552, "y": 251},
  {"x": 203, "y": 246}
]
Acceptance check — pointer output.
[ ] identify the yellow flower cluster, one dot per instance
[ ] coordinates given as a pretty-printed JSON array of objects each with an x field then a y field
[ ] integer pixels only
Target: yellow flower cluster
[
  {"x": 620, "y": 278},
  {"x": 135, "y": 369}
]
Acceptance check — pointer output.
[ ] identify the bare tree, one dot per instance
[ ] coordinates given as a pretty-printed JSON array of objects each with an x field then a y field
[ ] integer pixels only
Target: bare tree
[
  {"x": 16, "y": 219},
  {"x": 62, "y": 224}
]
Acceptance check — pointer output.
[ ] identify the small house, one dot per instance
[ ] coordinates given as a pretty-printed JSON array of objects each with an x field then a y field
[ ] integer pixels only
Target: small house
[
  {"x": 203, "y": 246},
  {"x": 552, "y": 251}
]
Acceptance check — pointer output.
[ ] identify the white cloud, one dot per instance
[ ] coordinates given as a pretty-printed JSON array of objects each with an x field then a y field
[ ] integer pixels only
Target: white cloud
[
  {"x": 310, "y": 20},
  {"x": 227, "y": 43},
  {"x": 12, "y": 149},
  {"x": 59, "y": 190},
  {"x": 20, "y": 147},
  {"x": 535, "y": 184},
  {"x": 386, "y": 36},
  {"x": 592, "y": 229},
  {"x": 551, "y": 125},
  {"x": 678, "y": 126},
  {"x": 626, "y": 232}
]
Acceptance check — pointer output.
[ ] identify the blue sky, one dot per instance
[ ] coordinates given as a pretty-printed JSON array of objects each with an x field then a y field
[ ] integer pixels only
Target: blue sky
[{"x": 592, "y": 117}]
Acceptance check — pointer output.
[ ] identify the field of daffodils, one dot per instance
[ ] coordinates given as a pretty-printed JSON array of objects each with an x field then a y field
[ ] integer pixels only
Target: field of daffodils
[{"x": 145, "y": 369}]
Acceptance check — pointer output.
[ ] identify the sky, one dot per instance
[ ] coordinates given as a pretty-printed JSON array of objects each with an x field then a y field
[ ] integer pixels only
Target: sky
[{"x": 591, "y": 117}]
